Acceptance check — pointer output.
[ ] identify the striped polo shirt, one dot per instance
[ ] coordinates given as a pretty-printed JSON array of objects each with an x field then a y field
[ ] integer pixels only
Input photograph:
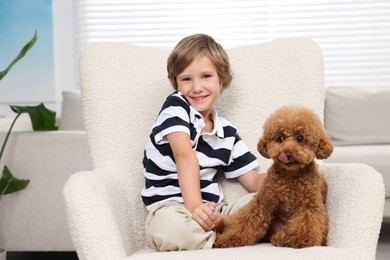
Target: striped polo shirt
[{"x": 220, "y": 149}]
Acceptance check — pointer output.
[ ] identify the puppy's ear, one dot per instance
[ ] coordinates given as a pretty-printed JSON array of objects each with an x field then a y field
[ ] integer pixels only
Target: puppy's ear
[
  {"x": 325, "y": 148},
  {"x": 262, "y": 147}
]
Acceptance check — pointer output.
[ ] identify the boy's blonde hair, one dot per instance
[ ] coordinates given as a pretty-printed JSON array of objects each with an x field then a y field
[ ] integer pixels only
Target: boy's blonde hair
[{"x": 191, "y": 46}]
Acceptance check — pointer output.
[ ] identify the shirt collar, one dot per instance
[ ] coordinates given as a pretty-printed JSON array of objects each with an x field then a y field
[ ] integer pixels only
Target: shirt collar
[
  {"x": 218, "y": 129},
  {"x": 218, "y": 125}
]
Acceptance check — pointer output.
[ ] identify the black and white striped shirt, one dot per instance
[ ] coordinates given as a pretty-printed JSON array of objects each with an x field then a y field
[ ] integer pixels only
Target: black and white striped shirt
[{"x": 220, "y": 149}]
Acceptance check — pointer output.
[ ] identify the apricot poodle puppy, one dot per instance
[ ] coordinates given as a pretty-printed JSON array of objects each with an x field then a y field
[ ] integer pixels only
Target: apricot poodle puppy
[{"x": 290, "y": 207}]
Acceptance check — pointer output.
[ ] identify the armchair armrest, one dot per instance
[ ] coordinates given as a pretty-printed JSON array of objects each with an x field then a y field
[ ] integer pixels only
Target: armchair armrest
[
  {"x": 355, "y": 205},
  {"x": 97, "y": 207}
]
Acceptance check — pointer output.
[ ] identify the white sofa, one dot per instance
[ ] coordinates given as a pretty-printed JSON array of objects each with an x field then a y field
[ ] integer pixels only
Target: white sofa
[{"x": 34, "y": 219}]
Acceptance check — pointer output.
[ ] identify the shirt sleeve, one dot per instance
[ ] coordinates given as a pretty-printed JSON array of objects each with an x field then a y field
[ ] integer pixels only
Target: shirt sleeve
[
  {"x": 242, "y": 160},
  {"x": 173, "y": 117}
]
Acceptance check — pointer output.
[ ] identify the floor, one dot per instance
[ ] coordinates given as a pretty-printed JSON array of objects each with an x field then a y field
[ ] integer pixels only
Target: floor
[
  {"x": 383, "y": 252},
  {"x": 42, "y": 256},
  {"x": 383, "y": 249}
]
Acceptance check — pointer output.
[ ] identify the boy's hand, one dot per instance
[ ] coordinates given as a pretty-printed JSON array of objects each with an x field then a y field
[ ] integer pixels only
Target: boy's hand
[{"x": 205, "y": 216}]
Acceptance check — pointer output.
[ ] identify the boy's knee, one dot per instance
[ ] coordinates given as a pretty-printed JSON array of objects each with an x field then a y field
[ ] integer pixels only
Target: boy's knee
[
  {"x": 163, "y": 223},
  {"x": 171, "y": 230}
]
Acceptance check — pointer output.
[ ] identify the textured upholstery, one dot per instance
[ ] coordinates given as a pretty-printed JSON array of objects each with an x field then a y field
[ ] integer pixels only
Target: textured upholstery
[{"x": 123, "y": 87}]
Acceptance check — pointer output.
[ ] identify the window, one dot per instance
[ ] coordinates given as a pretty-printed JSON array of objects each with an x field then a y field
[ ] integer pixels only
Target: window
[{"x": 353, "y": 34}]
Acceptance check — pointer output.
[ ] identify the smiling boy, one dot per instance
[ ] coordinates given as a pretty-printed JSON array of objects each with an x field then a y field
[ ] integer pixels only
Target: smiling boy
[{"x": 189, "y": 143}]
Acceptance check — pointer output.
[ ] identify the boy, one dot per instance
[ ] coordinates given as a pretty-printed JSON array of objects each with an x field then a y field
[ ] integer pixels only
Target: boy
[{"x": 188, "y": 144}]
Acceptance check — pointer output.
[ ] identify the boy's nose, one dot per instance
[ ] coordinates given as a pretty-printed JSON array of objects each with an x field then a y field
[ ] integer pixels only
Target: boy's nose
[{"x": 197, "y": 87}]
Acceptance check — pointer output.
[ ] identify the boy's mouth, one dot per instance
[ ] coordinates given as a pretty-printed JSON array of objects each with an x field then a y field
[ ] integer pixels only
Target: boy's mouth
[{"x": 199, "y": 98}]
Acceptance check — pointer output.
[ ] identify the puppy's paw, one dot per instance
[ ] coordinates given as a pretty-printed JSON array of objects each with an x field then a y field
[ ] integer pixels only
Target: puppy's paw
[
  {"x": 301, "y": 243},
  {"x": 279, "y": 239},
  {"x": 223, "y": 241},
  {"x": 306, "y": 236},
  {"x": 228, "y": 240}
]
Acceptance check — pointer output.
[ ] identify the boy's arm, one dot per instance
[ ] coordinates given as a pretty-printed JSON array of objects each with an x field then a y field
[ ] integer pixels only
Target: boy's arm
[
  {"x": 252, "y": 181},
  {"x": 187, "y": 169},
  {"x": 189, "y": 179}
]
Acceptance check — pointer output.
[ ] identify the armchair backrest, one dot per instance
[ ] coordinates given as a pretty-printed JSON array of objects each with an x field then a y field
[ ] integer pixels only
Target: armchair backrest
[{"x": 123, "y": 87}]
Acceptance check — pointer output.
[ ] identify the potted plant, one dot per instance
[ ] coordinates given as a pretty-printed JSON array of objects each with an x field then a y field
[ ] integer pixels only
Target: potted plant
[{"x": 41, "y": 119}]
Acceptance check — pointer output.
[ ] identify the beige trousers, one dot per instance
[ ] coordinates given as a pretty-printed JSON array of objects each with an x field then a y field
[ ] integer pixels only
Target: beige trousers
[{"x": 169, "y": 226}]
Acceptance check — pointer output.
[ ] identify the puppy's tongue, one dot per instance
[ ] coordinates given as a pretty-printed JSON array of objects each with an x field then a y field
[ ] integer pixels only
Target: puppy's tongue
[{"x": 283, "y": 157}]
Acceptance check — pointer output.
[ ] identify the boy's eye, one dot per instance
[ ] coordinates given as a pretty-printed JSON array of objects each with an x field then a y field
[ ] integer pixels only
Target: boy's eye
[
  {"x": 186, "y": 79},
  {"x": 280, "y": 139},
  {"x": 206, "y": 76}
]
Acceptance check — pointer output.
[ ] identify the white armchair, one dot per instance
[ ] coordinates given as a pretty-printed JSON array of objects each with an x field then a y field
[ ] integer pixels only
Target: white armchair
[{"x": 123, "y": 87}]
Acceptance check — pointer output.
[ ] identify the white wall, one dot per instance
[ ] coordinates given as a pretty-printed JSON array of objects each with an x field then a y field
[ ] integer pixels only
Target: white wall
[{"x": 65, "y": 70}]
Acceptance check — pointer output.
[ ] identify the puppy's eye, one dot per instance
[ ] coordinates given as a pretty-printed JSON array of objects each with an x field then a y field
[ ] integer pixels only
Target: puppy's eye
[
  {"x": 280, "y": 139},
  {"x": 300, "y": 138}
]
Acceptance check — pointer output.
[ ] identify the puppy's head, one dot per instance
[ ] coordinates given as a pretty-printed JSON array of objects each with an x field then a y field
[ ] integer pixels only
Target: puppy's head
[{"x": 293, "y": 136}]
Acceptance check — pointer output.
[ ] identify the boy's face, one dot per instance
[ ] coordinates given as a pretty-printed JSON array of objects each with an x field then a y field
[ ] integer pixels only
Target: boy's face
[{"x": 199, "y": 83}]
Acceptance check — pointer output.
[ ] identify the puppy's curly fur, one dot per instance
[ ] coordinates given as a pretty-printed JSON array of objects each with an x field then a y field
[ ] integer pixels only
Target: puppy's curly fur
[{"x": 292, "y": 199}]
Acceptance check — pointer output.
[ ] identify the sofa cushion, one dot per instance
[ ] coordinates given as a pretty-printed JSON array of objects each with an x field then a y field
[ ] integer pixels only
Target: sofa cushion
[
  {"x": 71, "y": 111},
  {"x": 23, "y": 123},
  {"x": 358, "y": 115}
]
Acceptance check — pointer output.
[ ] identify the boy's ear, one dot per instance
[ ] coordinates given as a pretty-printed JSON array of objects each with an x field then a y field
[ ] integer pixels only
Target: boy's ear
[
  {"x": 325, "y": 148},
  {"x": 262, "y": 147}
]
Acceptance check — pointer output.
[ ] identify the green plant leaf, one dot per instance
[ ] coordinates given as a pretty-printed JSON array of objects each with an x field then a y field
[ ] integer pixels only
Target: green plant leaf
[
  {"x": 23, "y": 52},
  {"x": 10, "y": 184},
  {"x": 42, "y": 118}
]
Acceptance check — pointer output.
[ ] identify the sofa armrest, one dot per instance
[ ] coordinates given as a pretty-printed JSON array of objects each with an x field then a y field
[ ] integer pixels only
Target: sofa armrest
[
  {"x": 98, "y": 215},
  {"x": 34, "y": 219},
  {"x": 355, "y": 205}
]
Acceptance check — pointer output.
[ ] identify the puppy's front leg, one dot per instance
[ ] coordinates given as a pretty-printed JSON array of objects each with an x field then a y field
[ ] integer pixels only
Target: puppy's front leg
[
  {"x": 308, "y": 228},
  {"x": 248, "y": 226}
]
